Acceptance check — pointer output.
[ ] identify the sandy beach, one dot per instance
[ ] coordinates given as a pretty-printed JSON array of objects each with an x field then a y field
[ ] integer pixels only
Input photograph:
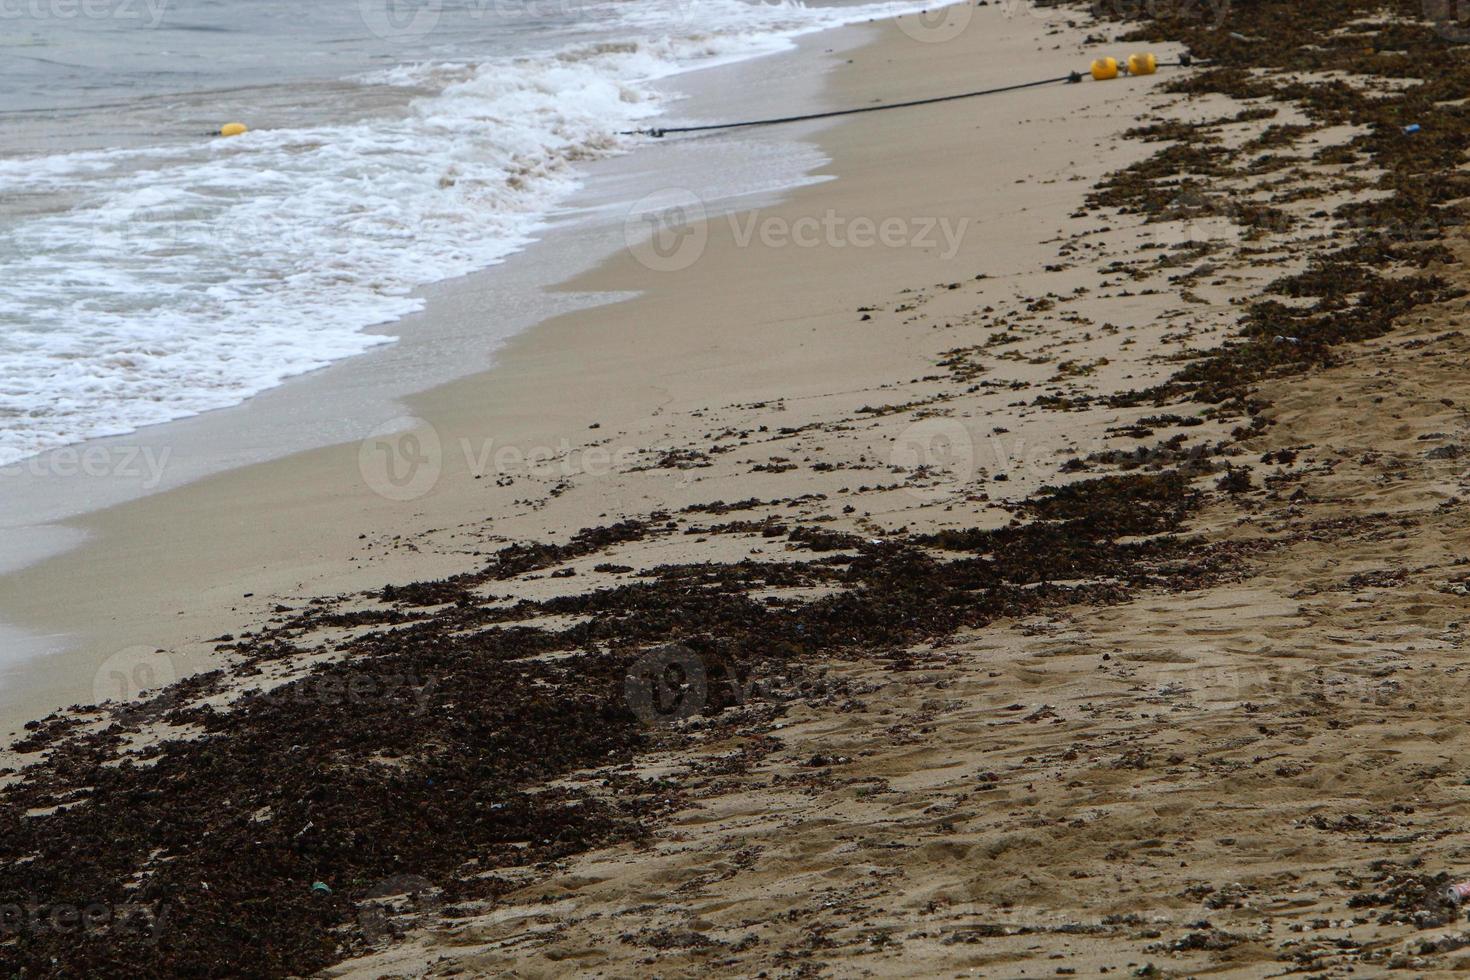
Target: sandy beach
[
  {"x": 1036, "y": 548},
  {"x": 657, "y": 371}
]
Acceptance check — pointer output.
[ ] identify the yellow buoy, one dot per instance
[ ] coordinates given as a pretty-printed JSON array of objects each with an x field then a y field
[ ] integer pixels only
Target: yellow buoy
[
  {"x": 233, "y": 129},
  {"x": 1142, "y": 64},
  {"x": 1104, "y": 69}
]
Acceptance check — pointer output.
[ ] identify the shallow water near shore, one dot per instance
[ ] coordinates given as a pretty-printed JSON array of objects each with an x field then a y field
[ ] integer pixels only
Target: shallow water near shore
[{"x": 158, "y": 273}]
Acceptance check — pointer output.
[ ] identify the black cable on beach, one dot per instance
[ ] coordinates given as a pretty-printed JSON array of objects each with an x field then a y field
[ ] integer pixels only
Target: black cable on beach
[{"x": 1072, "y": 78}]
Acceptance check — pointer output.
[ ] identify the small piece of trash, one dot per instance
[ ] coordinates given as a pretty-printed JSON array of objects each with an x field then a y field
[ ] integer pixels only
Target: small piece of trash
[
  {"x": 1456, "y": 894},
  {"x": 320, "y": 888},
  {"x": 1412, "y": 128}
]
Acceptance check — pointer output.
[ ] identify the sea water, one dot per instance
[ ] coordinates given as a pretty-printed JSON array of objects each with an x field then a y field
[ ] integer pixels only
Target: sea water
[{"x": 150, "y": 271}]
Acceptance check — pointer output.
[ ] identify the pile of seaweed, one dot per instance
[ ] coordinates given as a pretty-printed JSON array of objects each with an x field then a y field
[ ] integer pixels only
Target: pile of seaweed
[
  {"x": 1388, "y": 68},
  {"x": 425, "y": 747}
]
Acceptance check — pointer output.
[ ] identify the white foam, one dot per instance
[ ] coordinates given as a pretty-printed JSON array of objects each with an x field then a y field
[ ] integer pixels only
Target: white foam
[{"x": 189, "y": 278}]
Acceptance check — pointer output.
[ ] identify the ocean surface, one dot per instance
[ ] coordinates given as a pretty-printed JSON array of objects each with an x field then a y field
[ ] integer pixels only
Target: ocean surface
[{"x": 150, "y": 271}]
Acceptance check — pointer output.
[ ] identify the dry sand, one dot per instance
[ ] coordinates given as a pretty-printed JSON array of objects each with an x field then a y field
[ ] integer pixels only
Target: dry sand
[{"x": 1180, "y": 782}]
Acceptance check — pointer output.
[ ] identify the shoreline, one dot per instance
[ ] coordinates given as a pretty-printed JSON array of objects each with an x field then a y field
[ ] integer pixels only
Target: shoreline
[
  {"x": 344, "y": 402},
  {"x": 106, "y": 471},
  {"x": 45, "y": 599},
  {"x": 472, "y": 193},
  {"x": 316, "y": 506}
]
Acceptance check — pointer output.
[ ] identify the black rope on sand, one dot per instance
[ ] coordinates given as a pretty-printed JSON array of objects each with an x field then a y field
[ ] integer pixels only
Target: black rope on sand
[{"x": 1071, "y": 79}]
